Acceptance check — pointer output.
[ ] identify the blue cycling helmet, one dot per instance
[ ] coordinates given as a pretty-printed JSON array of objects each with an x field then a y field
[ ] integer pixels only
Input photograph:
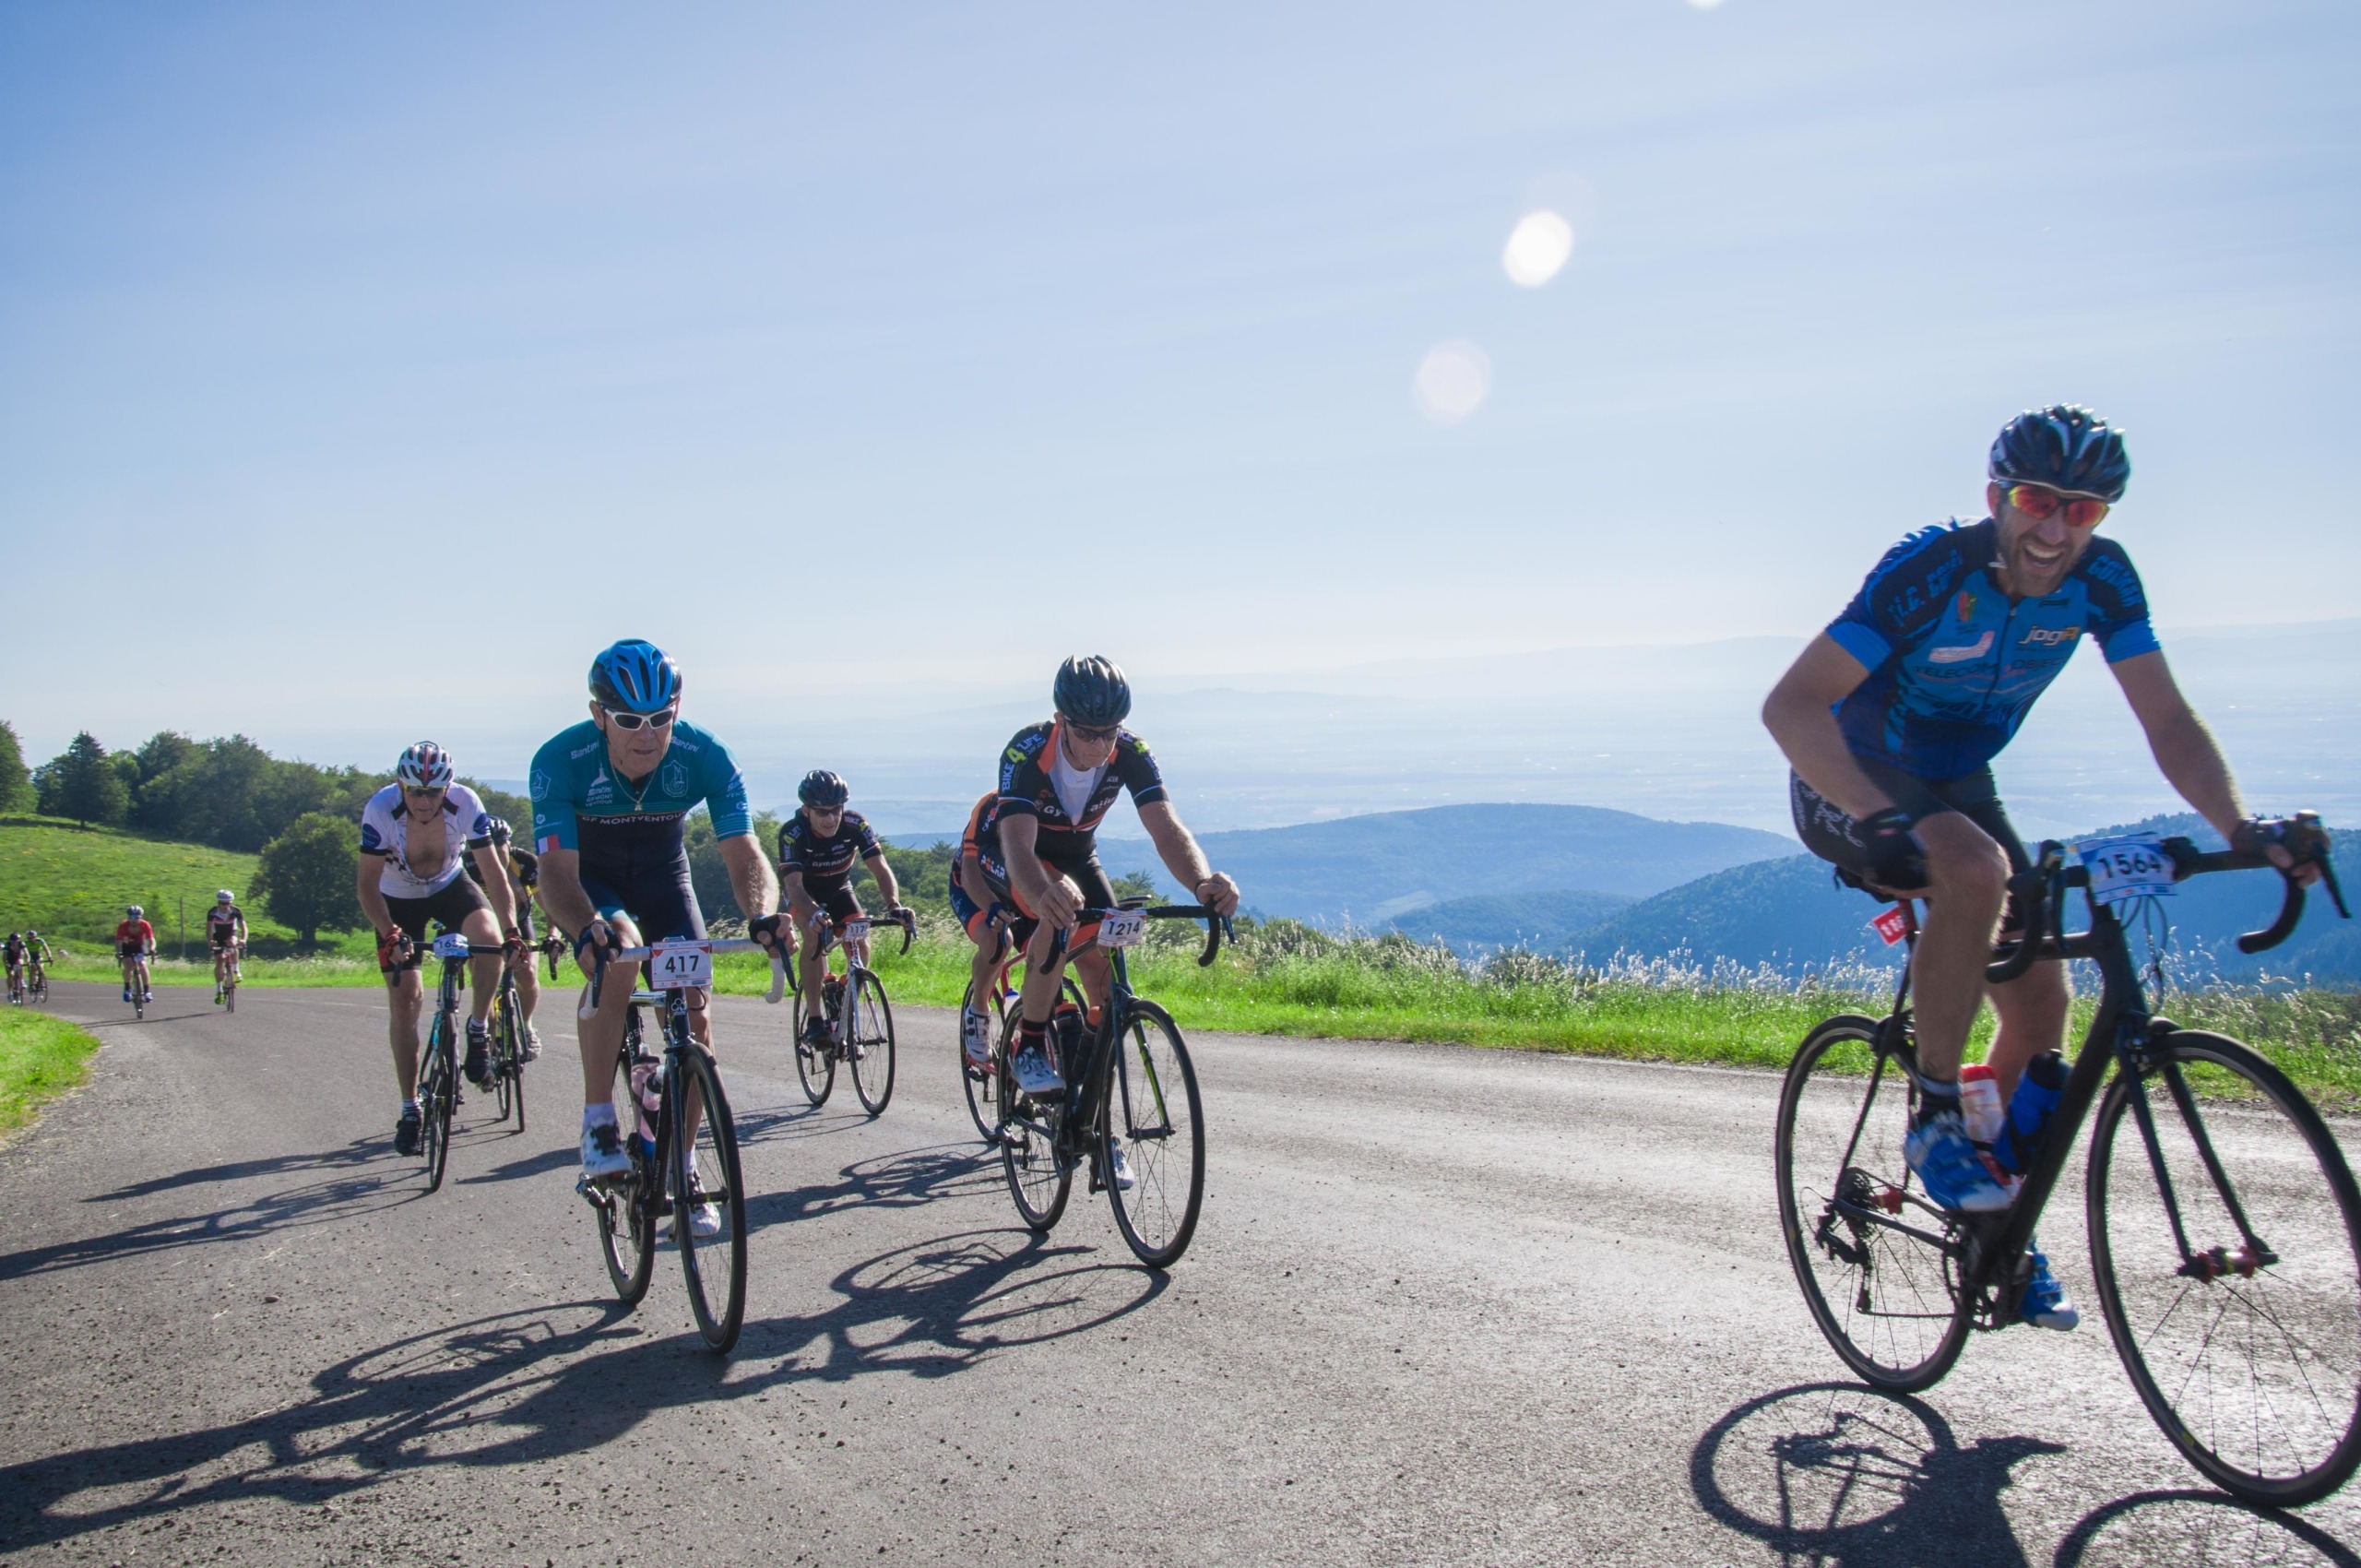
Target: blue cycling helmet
[
  {"x": 1092, "y": 691},
  {"x": 822, "y": 788},
  {"x": 636, "y": 676},
  {"x": 2066, "y": 449}
]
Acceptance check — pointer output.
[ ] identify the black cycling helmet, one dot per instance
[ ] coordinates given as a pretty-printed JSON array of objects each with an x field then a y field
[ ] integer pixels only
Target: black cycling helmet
[
  {"x": 634, "y": 676},
  {"x": 822, "y": 788},
  {"x": 1092, "y": 691},
  {"x": 2066, "y": 449}
]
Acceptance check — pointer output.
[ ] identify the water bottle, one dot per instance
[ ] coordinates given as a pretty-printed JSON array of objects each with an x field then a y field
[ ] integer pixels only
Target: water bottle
[
  {"x": 2030, "y": 1109},
  {"x": 646, "y": 1099},
  {"x": 1979, "y": 1105}
]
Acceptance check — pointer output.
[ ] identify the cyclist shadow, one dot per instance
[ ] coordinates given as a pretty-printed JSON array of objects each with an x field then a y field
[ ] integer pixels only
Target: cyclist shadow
[
  {"x": 934, "y": 1308},
  {"x": 1841, "y": 1474},
  {"x": 902, "y": 1179},
  {"x": 2195, "y": 1526},
  {"x": 538, "y": 1164},
  {"x": 354, "y": 1191},
  {"x": 771, "y": 1125}
]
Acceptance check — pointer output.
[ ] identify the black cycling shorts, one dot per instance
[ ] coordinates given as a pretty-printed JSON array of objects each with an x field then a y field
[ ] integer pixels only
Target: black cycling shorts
[
  {"x": 661, "y": 901},
  {"x": 838, "y": 901},
  {"x": 1831, "y": 833},
  {"x": 451, "y": 904},
  {"x": 1097, "y": 892}
]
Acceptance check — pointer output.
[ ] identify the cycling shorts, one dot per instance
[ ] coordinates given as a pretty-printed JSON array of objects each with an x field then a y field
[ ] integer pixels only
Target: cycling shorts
[
  {"x": 837, "y": 902},
  {"x": 965, "y": 910},
  {"x": 451, "y": 904},
  {"x": 659, "y": 898},
  {"x": 1097, "y": 892},
  {"x": 224, "y": 941},
  {"x": 1831, "y": 833},
  {"x": 129, "y": 950}
]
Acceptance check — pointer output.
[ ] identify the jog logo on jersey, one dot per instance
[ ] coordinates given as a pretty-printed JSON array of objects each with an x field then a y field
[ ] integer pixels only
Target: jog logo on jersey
[{"x": 1893, "y": 924}]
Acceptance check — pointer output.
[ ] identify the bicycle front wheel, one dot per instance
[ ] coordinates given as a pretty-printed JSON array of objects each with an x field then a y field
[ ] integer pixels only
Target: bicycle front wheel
[
  {"x": 1039, "y": 1178},
  {"x": 1151, "y": 1105},
  {"x": 2245, "y": 1344},
  {"x": 708, "y": 1204},
  {"x": 815, "y": 1067},
  {"x": 503, "y": 1057},
  {"x": 436, "y": 1093},
  {"x": 1876, "y": 1260},
  {"x": 871, "y": 1043}
]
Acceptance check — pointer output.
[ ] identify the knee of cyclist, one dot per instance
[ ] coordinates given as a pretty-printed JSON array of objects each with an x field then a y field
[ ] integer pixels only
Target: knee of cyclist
[{"x": 1976, "y": 875}]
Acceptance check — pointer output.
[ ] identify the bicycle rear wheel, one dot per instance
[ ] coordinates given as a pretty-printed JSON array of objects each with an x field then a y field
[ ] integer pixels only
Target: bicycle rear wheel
[
  {"x": 981, "y": 1082},
  {"x": 1039, "y": 1179},
  {"x": 815, "y": 1067},
  {"x": 626, "y": 1223},
  {"x": 436, "y": 1092},
  {"x": 871, "y": 1043},
  {"x": 704, "y": 1176},
  {"x": 1874, "y": 1258},
  {"x": 2248, "y": 1353},
  {"x": 1152, "y": 1105}
]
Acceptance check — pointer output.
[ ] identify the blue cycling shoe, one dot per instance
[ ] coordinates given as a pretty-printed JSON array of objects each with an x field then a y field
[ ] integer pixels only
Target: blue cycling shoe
[
  {"x": 1954, "y": 1175},
  {"x": 2045, "y": 1305}
]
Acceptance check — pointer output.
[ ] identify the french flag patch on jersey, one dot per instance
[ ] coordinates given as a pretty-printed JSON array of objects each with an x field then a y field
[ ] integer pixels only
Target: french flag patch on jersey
[
  {"x": 550, "y": 843},
  {"x": 1893, "y": 924}
]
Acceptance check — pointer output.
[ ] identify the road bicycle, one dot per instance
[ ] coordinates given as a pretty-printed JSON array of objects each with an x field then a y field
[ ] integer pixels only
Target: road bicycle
[
  {"x": 1129, "y": 1080},
  {"x": 134, "y": 982},
  {"x": 684, "y": 1147},
  {"x": 226, "y": 987},
  {"x": 16, "y": 990},
  {"x": 37, "y": 981},
  {"x": 982, "y": 1083},
  {"x": 505, "y": 1061},
  {"x": 861, "y": 1035},
  {"x": 438, "y": 1065},
  {"x": 2224, "y": 1223}
]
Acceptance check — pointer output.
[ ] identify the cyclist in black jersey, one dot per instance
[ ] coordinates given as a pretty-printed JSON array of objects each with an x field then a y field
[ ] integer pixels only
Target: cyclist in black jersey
[
  {"x": 1057, "y": 781},
  {"x": 817, "y": 848},
  {"x": 225, "y": 933},
  {"x": 524, "y": 880}
]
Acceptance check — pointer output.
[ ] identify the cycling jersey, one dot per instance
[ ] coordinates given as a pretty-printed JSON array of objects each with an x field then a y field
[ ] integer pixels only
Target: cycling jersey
[
  {"x": 222, "y": 923},
  {"x": 580, "y": 802},
  {"x": 384, "y": 831},
  {"x": 133, "y": 933},
  {"x": 1067, "y": 802},
  {"x": 524, "y": 868},
  {"x": 1955, "y": 663},
  {"x": 825, "y": 863},
  {"x": 16, "y": 951}
]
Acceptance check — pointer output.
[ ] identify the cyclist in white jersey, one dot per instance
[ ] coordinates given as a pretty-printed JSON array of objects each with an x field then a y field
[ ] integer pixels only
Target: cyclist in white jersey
[{"x": 413, "y": 833}]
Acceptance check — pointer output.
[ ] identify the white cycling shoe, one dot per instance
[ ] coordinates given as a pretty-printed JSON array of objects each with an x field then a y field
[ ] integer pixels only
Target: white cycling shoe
[
  {"x": 603, "y": 1152},
  {"x": 1119, "y": 1165},
  {"x": 975, "y": 1038},
  {"x": 1035, "y": 1076}
]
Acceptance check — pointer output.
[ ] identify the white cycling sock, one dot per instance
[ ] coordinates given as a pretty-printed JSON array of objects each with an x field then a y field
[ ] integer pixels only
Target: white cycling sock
[
  {"x": 592, "y": 1115},
  {"x": 410, "y": 1108}
]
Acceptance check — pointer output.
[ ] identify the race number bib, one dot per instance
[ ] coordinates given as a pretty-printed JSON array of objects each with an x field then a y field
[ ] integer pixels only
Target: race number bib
[
  {"x": 1125, "y": 928},
  {"x": 2132, "y": 866},
  {"x": 677, "y": 966},
  {"x": 856, "y": 930},
  {"x": 451, "y": 945},
  {"x": 1893, "y": 924}
]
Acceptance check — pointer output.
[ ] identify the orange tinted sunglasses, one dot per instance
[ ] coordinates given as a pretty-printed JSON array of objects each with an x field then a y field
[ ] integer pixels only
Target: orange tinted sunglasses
[{"x": 2040, "y": 504}]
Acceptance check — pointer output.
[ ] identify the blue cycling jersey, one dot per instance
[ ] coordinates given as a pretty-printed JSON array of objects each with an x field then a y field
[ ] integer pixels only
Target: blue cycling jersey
[
  {"x": 1955, "y": 663},
  {"x": 580, "y": 802}
]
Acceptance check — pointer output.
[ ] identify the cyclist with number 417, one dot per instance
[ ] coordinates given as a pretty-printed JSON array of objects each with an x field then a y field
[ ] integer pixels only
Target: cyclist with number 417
[
  {"x": 610, "y": 796},
  {"x": 1057, "y": 781},
  {"x": 1890, "y": 719}
]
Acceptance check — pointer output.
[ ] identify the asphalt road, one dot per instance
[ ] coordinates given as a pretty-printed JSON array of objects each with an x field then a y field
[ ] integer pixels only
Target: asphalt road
[{"x": 1445, "y": 1306}]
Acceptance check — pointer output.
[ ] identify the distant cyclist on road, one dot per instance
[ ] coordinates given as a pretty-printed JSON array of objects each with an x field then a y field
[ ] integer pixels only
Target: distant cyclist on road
[
  {"x": 1890, "y": 719},
  {"x": 1057, "y": 780},
  {"x": 15, "y": 953},
  {"x": 608, "y": 799},
  {"x": 524, "y": 880},
  {"x": 134, "y": 943},
  {"x": 37, "y": 954},
  {"x": 414, "y": 833},
  {"x": 225, "y": 933},
  {"x": 817, "y": 847}
]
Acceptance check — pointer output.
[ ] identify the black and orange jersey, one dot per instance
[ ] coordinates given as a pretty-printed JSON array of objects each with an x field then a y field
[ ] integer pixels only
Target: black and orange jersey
[
  {"x": 1030, "y": 767},
  {"x": 825, "y": 863}
]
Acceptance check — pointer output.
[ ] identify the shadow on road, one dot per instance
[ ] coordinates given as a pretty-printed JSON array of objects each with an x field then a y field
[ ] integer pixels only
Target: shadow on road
[
  {"x": 365, "y": 1165},
  {"x": 2196, "y": 1527},
  {"x": 1840, "y": 1473},
  {"x": 522, "y": 1387},
  {"x": 902, "y": 1179}
]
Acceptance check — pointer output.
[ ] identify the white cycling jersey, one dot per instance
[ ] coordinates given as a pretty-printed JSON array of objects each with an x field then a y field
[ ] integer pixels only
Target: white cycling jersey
[{"x": 385, "y": 830}]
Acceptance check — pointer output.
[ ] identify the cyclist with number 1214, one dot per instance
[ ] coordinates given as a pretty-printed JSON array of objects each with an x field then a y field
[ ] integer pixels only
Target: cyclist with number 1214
[{"x": 1890, "y": 719}]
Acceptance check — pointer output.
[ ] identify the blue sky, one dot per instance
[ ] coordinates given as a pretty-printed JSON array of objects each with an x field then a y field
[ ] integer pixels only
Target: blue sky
[{"x": 362, "y": 372}]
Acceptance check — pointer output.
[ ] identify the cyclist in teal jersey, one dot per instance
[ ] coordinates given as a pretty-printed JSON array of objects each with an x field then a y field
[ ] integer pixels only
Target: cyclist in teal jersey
[{"x": 610, "y": 796}]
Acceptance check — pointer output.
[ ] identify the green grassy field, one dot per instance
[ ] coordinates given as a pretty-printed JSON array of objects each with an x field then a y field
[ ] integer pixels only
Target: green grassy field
[{"x": 40, "y": 1057}]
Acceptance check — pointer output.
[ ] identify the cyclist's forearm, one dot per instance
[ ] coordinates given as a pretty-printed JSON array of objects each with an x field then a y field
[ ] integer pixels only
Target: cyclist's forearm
[
  {"x": 1815, "y": 748},
  {"x": 887, "y": 888},
  {"x": 372, "y": 901},
  {"x": 2192, "y": 763},
  {"x": 562, "y": 893},
  {"x": 749, "y": 876},
  {"x": 1176, "y": 845}
]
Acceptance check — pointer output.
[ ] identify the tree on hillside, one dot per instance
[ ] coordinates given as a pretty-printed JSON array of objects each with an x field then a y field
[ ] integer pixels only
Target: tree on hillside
[
  {"x": 307, "y": 874},
  {"x": 16, "y": 784},
  {"x": 80, "y": 782}
]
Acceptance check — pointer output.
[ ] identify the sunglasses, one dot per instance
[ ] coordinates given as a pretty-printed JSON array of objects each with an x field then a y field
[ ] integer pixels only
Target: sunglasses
[
  {"x": 2082, "y": 511},
  {"x": 419, "y": 792},
  {"x": 634, "y": 720},
  {"x": 1093, "y": 732}
]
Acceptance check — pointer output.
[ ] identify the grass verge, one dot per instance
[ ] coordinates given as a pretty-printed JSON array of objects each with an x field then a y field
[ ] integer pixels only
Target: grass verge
[{"x": 41, "y": 1058}]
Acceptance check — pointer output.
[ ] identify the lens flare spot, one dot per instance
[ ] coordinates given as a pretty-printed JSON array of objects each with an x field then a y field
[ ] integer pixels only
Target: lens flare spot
[
  {"x": 1537, "y": 248},
  {"x": 1454, "y": 380}
]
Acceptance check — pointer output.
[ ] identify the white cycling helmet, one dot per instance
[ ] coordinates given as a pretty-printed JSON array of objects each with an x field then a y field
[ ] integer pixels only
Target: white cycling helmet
[
  {"x": 131, "y": 911},
  {"x": 424, "y": 766},
  {"x": 224, "y": 897}
]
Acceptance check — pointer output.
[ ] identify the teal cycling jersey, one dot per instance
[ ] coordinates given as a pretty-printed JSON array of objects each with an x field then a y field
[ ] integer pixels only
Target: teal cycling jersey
[{"x": 580, "y": 802}]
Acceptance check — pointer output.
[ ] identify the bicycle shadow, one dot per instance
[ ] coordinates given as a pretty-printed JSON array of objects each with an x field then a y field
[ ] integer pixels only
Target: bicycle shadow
[
  {"x": 357, "y": 1190},
  {"x": 903, "y": 1180},
  {"x": 2195, "y": 1526},
  {"x": 529, "y": 1165},
  {"x": 541, "y": 1384},
  {"x": 1841, "y": 1474}
]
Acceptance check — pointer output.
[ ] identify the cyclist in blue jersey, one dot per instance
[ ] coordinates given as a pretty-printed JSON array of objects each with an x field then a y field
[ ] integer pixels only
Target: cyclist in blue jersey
[
  {"x": 1890, "y": 719},
  {"x": 610, "y": 796},
  {"x": 1057, "y": 780}
]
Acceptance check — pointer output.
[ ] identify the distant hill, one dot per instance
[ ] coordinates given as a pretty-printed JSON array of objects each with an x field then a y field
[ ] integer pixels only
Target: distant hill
[
  {"x": 1374, "y": 868},
  {"x": 1788, "y": 913},
  {"x": 1539, "y": 922},
  {"x": 71, "y": 884}
]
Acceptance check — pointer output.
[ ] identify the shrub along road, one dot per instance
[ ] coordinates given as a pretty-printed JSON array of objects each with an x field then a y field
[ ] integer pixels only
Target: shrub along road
[{"x": 1445, "y": 1306}]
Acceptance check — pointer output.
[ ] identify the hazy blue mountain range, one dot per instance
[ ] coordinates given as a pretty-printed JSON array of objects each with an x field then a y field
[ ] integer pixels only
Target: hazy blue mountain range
[{"x": 1541, "y": 922}]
